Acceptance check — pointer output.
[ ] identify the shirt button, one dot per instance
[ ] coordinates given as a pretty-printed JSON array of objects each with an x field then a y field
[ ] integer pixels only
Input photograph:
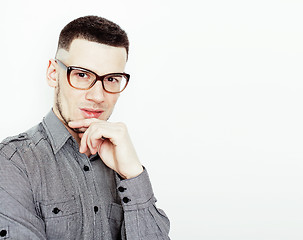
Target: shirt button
[
  {"x": 56, "y": 210},
  {"x": 3, "y": 233},
  {"x": 126, "y": 200},
  {"x": 86, "y": 168},
  {"x": 96, "y": 209},
  {"x": 121, "y": 189}
]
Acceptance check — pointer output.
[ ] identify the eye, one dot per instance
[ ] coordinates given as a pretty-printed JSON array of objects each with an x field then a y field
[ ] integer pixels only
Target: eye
[
  {"x": 112, "y": 79},
  {"x": 82, "y": 75}
]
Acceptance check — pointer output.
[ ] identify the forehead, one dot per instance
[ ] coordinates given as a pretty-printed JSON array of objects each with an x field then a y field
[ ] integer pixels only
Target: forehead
[{"x": 97, "y": 57}]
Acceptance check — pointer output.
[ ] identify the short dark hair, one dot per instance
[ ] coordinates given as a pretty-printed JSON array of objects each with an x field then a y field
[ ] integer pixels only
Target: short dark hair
[{"x": 95, "y": 29}]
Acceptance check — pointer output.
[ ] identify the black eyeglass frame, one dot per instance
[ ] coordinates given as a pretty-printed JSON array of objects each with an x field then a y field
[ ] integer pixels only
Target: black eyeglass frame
[{"x": 98, "y": 78}]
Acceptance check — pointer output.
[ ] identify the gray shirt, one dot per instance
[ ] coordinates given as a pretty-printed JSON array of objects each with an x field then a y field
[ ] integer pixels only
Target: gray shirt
[{"x": 49, "y": 190}]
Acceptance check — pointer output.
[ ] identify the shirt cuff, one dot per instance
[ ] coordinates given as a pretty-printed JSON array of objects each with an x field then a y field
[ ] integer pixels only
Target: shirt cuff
[{"x": 135, "y": 193}]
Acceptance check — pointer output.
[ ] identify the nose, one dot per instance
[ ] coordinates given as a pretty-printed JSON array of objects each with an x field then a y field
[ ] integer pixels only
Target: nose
[{"x": 96, "y": 93}]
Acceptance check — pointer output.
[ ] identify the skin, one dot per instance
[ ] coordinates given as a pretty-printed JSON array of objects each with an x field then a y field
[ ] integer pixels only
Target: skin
[{"x": 110, "y": 140}]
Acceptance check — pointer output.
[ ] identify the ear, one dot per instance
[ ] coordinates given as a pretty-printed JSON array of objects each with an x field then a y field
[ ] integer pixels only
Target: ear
[{"x": 51, "y": 73}]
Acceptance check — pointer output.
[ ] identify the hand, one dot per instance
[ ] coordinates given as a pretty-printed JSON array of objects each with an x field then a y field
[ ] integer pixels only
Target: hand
[{"x": 113, "y": 144}]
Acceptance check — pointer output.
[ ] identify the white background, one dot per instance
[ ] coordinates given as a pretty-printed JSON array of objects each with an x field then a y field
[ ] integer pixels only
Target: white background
[{"x": 214, "y": 105}]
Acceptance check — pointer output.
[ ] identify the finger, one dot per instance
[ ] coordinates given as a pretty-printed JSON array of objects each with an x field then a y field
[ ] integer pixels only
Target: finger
[
  {"x": 83, "y": 123},
  {"x": 83, "y": 143},
  {"x": 95, "y": 138},
  {"x": 92, "y": 139},
  {"x": 98, "y": 143},
  {"x": 90, "y": 143}
]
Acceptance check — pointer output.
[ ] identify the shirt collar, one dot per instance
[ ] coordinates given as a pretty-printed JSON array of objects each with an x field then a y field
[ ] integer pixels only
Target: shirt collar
[{"x": 56, "y": 131}]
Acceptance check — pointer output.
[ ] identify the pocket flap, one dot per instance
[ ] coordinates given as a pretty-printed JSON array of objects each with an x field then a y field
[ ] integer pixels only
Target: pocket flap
[{"x": 59, "y": 208}]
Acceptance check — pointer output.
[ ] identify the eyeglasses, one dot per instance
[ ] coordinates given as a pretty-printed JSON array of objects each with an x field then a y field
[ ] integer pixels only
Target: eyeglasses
[{"x": 83, "y": 79}]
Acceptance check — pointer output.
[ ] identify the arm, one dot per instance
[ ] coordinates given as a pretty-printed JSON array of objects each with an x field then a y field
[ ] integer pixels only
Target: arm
[
  {"x": 142, "y": 220},
  {"x": 18, "y": 217}
]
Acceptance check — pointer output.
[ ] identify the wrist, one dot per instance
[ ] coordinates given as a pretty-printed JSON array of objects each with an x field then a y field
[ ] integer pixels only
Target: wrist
[{"x": 131, "y": 172}]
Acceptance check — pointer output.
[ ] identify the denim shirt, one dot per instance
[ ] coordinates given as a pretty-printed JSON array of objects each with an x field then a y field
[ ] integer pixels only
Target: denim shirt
[{"x": 49, "y": 190}]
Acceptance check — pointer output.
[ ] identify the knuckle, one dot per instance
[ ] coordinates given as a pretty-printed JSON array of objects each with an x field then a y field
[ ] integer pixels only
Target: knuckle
[
  {"x": 122, "y": 126},
  {"x": 94, "y": 126},
  {"x": 121, "y": 129}
]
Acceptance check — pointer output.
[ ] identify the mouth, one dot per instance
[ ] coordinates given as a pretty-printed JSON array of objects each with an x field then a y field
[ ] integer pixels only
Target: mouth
[{"x": 91, "y": 113}]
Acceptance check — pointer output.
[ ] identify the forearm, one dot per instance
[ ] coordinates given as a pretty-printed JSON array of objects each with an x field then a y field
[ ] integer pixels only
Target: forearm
[{"x": 142, "y": 219}]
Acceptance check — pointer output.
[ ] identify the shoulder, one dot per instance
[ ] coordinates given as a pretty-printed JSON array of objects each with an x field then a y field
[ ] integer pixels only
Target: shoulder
[{"x": 11, "y": 146}]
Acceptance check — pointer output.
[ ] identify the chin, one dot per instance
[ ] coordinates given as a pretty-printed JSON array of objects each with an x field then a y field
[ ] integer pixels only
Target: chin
[{"x": 79, "y": 130}]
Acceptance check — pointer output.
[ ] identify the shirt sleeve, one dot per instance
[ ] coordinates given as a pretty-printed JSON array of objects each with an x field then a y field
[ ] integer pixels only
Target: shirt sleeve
[
  {"x": 142, "y": 219},
  {"x": 18, "y": 218}
]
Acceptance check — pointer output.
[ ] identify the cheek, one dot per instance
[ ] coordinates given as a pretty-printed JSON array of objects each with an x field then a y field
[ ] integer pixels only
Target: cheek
[
  {"x": 113, "y": 100},
  {"x": 70, "y": 99}
]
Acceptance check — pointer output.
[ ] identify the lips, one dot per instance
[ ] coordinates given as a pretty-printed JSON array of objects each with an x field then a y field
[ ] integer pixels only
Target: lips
[{"x": 91, "y": 113}]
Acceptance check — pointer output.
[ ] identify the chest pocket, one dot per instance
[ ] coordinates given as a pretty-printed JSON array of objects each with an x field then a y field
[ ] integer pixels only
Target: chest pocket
[{"x": 62, "y": 219}]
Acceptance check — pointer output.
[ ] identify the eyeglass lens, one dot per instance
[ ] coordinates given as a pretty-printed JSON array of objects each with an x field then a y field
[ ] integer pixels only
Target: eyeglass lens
[{"x": 83, "y": 80}]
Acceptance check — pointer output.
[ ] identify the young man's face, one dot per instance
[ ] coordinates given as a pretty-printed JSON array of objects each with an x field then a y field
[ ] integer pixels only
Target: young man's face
[{"x": 74, "y": 104}]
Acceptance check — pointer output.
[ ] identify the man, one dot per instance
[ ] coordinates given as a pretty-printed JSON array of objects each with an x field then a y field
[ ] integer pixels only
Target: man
[{"x": 76, "y": 175}]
